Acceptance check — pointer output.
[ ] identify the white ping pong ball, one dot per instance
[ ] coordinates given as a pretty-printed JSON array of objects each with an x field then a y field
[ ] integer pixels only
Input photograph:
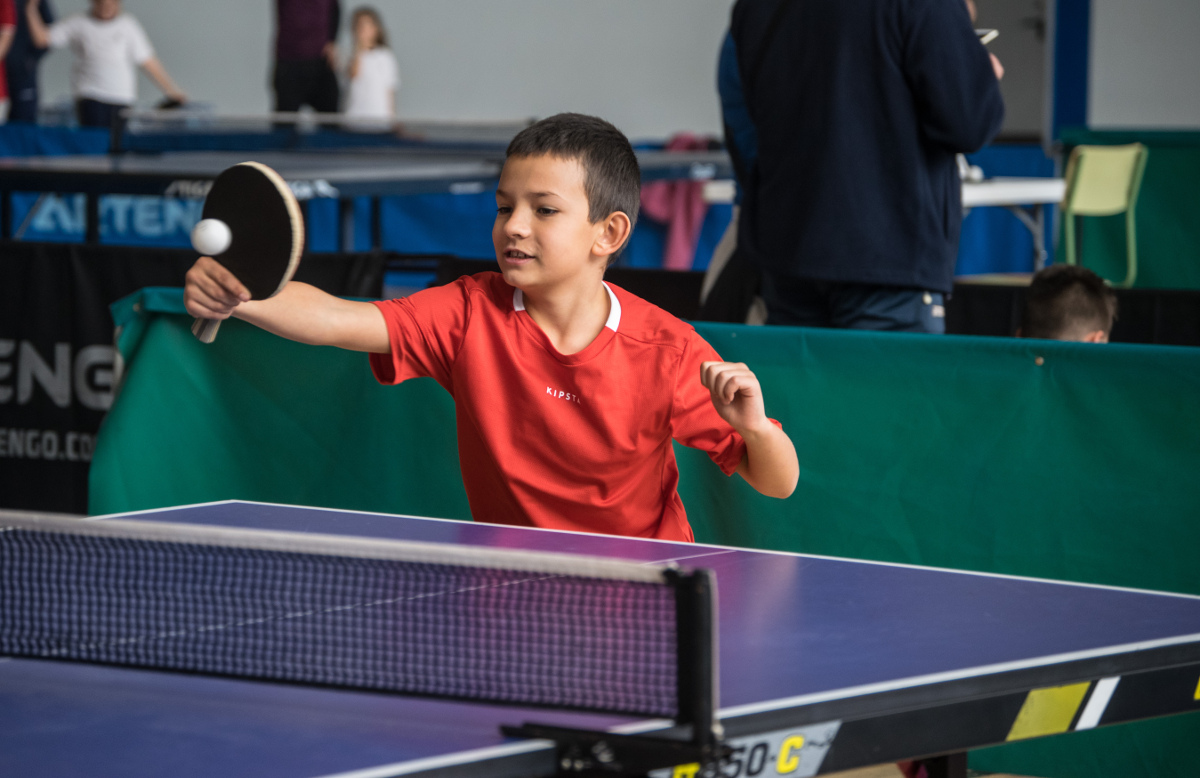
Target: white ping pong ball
[{"x": 211, "y": 237}]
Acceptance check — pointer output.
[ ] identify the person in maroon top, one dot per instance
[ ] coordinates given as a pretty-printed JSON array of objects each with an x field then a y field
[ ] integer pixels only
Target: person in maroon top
[{"x": 306, "y": 54}]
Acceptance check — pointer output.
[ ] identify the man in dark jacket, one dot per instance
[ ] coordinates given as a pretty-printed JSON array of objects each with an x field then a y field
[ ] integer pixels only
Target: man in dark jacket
[{"x": 853, "y": 206}]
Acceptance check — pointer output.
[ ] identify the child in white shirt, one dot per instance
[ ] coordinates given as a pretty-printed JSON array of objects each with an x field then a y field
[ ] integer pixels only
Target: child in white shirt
[
  {"x": 374, "y": 75},
  {"x": 108, "y": 44}
]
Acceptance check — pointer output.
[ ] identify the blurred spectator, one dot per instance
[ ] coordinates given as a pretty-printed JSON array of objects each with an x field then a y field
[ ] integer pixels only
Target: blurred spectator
[
  {"x": 1068, "y": 302},
  {"x": 8, "y": 27},
  {"x": 108, "y": 43},
  {"x": 21, "y": 66},
  {"x": 853, "y": 206},
  {"x": 732, "y": 281},
  {"x": 306, "y": 55},
  {"x": 373, "y": 74}
]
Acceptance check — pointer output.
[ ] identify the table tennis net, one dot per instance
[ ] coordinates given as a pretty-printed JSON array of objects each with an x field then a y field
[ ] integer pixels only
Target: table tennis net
[{"x": 425, "y": 619}]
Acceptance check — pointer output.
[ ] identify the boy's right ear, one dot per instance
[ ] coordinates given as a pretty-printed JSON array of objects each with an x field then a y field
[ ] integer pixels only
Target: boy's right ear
[{"x": 615, "y": 235}]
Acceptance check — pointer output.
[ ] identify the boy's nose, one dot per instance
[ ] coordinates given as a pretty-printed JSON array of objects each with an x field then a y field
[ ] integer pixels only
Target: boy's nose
[{"x": 518, "y": 222}]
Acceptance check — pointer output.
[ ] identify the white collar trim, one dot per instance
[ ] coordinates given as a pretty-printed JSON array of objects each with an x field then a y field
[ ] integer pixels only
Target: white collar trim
[{"x": 614, "y": 308}]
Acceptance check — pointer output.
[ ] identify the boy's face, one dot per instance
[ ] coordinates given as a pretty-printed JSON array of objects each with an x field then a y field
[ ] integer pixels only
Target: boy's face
[
  {"x": 542, "y": 234},
  {"x": 106, "y": 9}
]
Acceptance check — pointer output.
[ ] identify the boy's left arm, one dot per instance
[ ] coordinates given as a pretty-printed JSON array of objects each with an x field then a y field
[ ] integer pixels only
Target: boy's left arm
[
  {"x": 158, "y": 74},
  {"x": 770, "y": 463}
]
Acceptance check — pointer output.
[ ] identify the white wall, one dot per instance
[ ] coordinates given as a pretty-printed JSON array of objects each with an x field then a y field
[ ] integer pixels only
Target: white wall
[
  {"x": 647, "y": 65},
  {"x": 1145, "y": 64}
]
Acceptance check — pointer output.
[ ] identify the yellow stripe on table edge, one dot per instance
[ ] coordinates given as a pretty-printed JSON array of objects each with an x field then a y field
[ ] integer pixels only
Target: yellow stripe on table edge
[{"x": 1048, "y": 711}]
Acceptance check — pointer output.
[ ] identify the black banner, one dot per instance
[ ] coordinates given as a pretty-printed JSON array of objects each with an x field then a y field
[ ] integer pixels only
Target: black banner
[{"x": 57, "y": 355}]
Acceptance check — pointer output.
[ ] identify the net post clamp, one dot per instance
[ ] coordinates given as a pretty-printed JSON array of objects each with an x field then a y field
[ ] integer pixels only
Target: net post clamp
[{"x": 582, "y": 753}]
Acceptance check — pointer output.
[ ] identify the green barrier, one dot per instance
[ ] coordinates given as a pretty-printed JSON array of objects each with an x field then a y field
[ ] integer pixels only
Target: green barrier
[
  {"x": 1167, "y": 229},
  {"x": 256, "y": 417},
  {"x": 1056, "y": 460},
  {"x": 1059, "y": 460}
]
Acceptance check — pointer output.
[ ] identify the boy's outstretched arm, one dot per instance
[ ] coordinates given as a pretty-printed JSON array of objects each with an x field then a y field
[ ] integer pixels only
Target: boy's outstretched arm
[
  {"x": 770, "y": 464},
  {"x": 300, "y": 312}
]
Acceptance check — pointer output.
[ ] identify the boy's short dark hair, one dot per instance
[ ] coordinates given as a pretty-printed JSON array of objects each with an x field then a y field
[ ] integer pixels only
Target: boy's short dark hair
[
  {"x": 1065, "y": 302},
  {"x": 612, "y": 179}
]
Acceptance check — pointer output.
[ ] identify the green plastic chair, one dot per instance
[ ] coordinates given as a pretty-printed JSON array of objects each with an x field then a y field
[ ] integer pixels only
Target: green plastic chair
[{"x": 1104, "y": 181}]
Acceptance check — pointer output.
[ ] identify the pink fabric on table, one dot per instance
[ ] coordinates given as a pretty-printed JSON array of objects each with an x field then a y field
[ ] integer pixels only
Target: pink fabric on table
[{"x": 679, "y": 205}]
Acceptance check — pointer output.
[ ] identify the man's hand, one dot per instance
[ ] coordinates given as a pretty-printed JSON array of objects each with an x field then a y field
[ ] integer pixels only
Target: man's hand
[
  {"x": 996, "y": 66},
  {"x": 210, "y": 291},
  {"x": 736, "y": 394}
]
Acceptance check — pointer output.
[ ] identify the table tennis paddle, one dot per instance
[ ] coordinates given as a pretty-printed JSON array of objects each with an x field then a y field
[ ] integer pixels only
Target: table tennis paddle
[{"x": 266, "y": 228}]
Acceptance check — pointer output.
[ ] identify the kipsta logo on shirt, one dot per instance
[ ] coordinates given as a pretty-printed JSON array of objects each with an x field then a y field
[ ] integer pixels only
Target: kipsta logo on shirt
[{"x": 560, "y": 395}]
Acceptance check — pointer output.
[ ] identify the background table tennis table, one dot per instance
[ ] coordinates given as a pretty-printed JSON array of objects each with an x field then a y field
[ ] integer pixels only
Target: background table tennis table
[
  {"x": 341, "y": 174},
  {"x": 826, "y": 664},
  {"x": 1025, "y": 198}
]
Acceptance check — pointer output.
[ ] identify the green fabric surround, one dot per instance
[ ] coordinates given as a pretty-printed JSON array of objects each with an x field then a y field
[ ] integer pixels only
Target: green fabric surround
[
  {"x": 948, "y": 451},
  {"x": 1168, "y": 232}
]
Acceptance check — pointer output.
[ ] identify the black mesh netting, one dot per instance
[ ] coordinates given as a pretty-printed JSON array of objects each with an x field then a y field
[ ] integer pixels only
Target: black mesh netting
[{"x": 410, "y": 627}]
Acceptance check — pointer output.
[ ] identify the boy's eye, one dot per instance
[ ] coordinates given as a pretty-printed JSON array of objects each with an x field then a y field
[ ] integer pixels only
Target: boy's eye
[
  {"x": 503, "y": 209},
  {"x": 546, "y": 211}
]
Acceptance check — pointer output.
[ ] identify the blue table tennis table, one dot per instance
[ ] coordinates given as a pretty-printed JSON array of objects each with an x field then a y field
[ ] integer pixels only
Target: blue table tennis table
[
  {"x": 333, "y": 174},
  {"x": 825, "y": 664}
]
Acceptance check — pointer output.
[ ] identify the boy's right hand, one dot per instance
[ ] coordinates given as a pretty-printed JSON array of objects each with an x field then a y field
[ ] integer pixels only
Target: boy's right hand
[{"x": 210, "y": 291}]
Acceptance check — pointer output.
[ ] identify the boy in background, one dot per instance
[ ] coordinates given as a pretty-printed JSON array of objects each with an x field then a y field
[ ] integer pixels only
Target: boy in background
[
  {"x": 107, "y": 44},
  {"x": 1068, "y": 302},
  {"x": 568, "y": 390}
]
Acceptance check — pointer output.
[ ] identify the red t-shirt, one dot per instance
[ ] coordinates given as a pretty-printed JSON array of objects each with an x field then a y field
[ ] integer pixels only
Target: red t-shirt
[
  {"x": 8, "y": 18},
  {"x": 563, "y": 441}
]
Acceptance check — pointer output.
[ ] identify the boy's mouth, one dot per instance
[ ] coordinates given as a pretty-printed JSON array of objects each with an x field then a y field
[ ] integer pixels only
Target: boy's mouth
[{"x": 514, "y": 254}]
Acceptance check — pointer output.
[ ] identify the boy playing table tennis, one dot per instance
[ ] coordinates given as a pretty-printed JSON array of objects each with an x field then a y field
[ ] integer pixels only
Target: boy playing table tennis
[{"x": 568, "y": 390}]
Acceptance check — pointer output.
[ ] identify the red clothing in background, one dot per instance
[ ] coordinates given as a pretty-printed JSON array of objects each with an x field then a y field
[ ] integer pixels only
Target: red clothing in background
[
  {"x": 8, "y": 18},
  {"x": 680, "y": 205}
]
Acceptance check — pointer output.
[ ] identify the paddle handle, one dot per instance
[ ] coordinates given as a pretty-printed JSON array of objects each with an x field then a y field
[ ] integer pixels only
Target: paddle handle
[{"x": 205, "y": 330}]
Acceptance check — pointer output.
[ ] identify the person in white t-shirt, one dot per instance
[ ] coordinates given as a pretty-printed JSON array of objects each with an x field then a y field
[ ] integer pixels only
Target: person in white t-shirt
[
  {"x": 108, "y": 44},
  {"x": 374, "y": 75}
]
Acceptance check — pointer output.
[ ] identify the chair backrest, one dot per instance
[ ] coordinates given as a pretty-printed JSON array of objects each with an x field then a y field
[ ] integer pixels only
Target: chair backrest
[{"x": 1103, "y": 180}]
